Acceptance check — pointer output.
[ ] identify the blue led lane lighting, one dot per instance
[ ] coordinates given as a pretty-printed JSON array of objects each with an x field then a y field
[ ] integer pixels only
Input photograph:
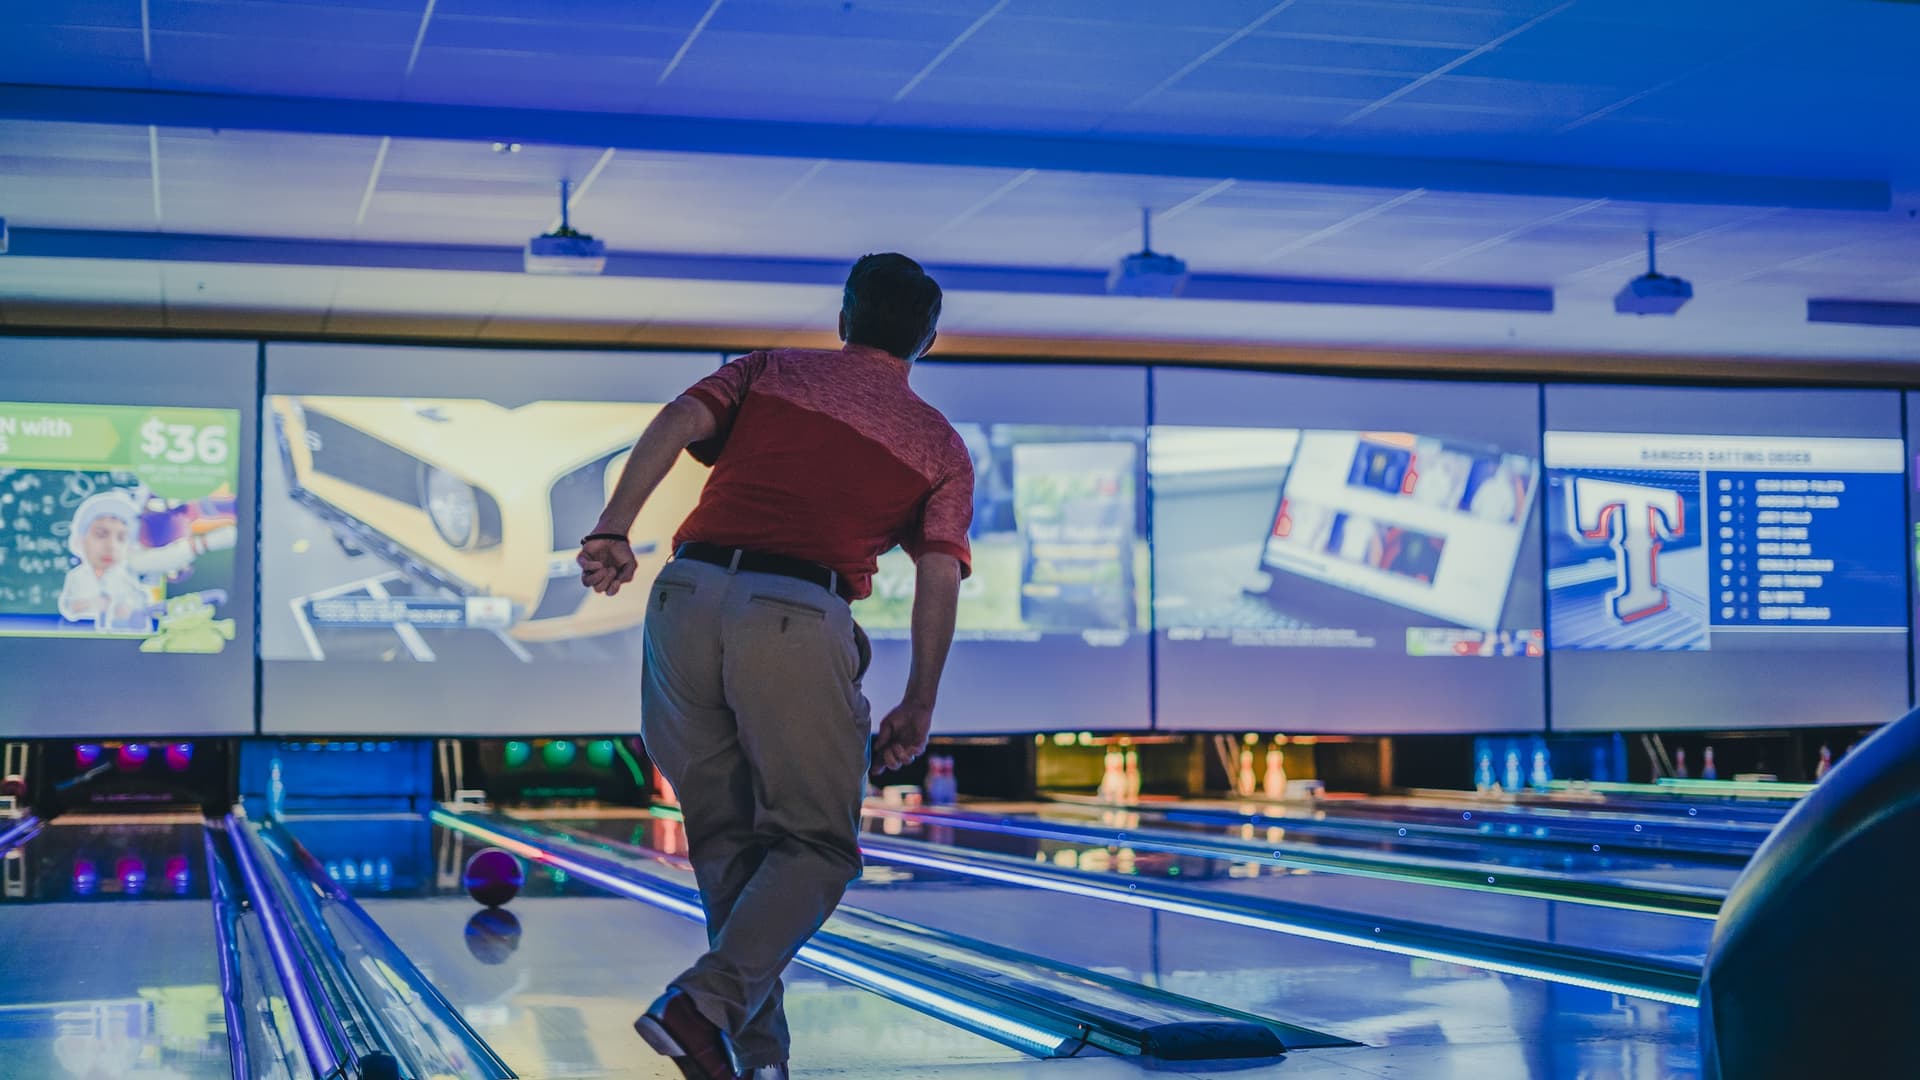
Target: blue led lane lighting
[
  {"x": 19, "y": 833},
  {"x": 1682, "y": 901},
  {"x": 280, "y": 941},
  {"x": 1673, "y": 987}
]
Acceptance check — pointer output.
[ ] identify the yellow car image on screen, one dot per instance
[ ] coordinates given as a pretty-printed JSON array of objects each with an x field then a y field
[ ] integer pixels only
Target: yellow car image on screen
[{"x": 482, "y": 500}]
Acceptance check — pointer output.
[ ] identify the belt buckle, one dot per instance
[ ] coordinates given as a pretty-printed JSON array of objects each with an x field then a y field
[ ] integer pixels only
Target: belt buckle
[{"x": 733, "y": 564}]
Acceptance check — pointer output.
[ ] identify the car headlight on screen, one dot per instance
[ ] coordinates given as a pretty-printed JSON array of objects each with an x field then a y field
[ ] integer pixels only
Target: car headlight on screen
[{"x": 453, "y": 505}]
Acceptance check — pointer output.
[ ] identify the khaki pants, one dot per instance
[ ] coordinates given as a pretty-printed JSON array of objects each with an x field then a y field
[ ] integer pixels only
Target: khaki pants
[{"x": 752, "y": 710}]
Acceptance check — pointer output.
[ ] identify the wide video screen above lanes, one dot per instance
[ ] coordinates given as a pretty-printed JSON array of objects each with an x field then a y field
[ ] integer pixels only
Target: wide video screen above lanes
[
  {"x": 1052, "y": 625},
  {"x": 1725, "y": 559},
  {"x": 1336, "y": 555},
  {"x": 421, "y": 510},
  {"x": 126, "y": 537}
]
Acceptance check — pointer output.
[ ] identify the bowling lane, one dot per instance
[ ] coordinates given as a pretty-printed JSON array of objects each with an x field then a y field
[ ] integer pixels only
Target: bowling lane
[
  {"x": 1526, "y": 918},
  {"x": 1761, "y": 810},
  {"x": 553, "y": 980},
  {"x": 1418, "y": 1017},
  {"x": 1302, "y": 829},
  {"x": 1447, "y": 1019},
  {"x": 1692, "y": 812},
  {"x": 107, "y": 941}
]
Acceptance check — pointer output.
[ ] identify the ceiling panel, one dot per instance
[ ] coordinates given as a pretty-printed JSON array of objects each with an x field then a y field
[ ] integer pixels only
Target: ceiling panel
[
  {"x": 588, "y": 15},
  {"x": 289, "y": 23},
  {"x": 260, "y": 66},
  {"x": 1411, "y": 23},
  {"x": 1220, "y": 16},
  {"x": 1796, "y": 87}
]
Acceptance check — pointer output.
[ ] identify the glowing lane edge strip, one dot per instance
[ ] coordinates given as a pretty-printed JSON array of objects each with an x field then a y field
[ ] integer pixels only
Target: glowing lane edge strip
[
  {"x": 1411, "y": 875},
  {"x": 1200, "y": 911},
  {"x": 21, "y": 832},
  {"x": 1035, "y": 1040},
  {"x": 305, "y": 1017}
]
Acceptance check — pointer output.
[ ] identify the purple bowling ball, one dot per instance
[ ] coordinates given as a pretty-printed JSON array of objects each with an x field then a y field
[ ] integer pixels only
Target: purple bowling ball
[{"x": 494, "y": 877}]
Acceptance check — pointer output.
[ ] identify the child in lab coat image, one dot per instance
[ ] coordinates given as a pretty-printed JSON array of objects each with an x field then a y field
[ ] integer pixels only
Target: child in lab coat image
[{"x": 103, "y": 589}]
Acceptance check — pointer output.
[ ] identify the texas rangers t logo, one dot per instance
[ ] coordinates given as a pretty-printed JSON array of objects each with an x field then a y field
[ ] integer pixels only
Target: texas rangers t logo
[{"x": 1610, "y": 510}]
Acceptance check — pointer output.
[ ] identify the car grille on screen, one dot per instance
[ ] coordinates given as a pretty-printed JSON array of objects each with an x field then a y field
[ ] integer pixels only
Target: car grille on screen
[
  {"x": 578, "y": 498},
  {"x": 349, "y": 454}
]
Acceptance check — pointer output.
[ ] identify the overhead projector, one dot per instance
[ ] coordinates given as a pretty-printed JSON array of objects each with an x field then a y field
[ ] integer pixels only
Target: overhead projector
[
  {"x": 1147, "y": 272},
  {"x": 1653, "y": 293},
  {"x": 566, "y": 250}
]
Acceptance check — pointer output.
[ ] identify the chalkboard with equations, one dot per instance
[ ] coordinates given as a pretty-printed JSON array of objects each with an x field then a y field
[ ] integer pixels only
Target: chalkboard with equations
[{"x": 36, "y": 515}]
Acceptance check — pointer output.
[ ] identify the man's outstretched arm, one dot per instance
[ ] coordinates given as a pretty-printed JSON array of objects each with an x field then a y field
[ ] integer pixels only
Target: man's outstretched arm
[{"x": 607, "y": 563}]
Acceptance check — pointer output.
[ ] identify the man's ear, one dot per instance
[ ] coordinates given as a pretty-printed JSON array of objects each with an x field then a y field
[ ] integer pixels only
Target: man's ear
[
  {"x": 843, "y": 324},
  {"x": 927, "y": 345}
]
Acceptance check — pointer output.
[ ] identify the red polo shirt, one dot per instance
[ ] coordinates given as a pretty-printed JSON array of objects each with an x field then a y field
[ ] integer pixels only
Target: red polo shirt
[{"x": 832, "y": 458}]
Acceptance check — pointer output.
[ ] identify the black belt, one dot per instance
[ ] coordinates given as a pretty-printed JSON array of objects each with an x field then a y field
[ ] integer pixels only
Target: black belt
[{"x": 753, "y": 562}]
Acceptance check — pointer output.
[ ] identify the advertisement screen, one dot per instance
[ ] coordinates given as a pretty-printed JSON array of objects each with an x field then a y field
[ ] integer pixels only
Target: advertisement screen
[
  {"x": 425, "y": 540},
  {"x": 1052, "y": 627},
  {"x": 126, "y": 526},
  {"x": 1725, "y": 558},
  {"x": 1345, "y": 555}
]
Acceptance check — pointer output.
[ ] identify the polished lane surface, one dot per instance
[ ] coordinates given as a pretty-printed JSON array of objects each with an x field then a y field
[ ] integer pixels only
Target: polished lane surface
[
  {"x": 107, "y": 940},
  {"x": 554, "y": 980},
  {"x": 1497, "y": 830},
  {"x": 1302, "y": 830},
  {"x": 1662, "y": 936},
  {"x": 1419, "y": 1018}
]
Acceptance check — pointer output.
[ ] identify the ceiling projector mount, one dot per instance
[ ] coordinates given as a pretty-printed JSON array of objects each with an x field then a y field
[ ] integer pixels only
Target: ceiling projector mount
[
  {"x": 566, "y": 250},
  {"x": 1147, "y": 272},
  {"x": 1653, "y": 293}
]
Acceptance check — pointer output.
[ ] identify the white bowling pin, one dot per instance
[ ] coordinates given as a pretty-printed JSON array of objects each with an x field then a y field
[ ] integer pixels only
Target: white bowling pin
[{"x": 1275, "y": 782}]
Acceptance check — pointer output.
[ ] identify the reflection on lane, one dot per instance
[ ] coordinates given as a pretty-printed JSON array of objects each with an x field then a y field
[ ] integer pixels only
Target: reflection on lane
[
  {"x": 1314, "y": 825},
  {"x": 1410, "y": 1010},
  {"x": 1639, "y": 933},
  {"x": 554, "y": 979},
  {"x": 106, "y": 936}
]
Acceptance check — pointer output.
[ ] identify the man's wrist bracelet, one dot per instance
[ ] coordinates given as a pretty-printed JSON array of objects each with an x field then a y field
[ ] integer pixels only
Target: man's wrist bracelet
[{"x": 590, "y": 537}]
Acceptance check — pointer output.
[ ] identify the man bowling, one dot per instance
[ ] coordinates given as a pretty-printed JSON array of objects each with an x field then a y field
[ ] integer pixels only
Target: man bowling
[{"x": 751, "y": 704}]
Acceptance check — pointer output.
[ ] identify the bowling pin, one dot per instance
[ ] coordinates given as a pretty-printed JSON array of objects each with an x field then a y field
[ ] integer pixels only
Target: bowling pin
[
  {"x": 1113, "y": 783},
  {"x": 1680, "y": 762},
  {"x": 1542, "y": 773},
  {"x": 1246, "y": 771},
  {"x": 1133, "y": 775},
  {"x": 1707, "y": 771},
  {"x": 1826, "y": 763},
  {"x": 1483, "y": 772},
  {"x": 1275, "y": 783},
  {"x": 1513, "y": 769}
]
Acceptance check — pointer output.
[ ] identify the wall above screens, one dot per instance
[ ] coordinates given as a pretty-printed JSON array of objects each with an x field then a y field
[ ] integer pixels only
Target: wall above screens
[
  {"x": 421, "y": 509},
  {"x": 1053, "y": 623},
  {"x": 1345, "y": 555},
  {"x": 1725, "y": 559},
  {"x": 126, "y": 537}
]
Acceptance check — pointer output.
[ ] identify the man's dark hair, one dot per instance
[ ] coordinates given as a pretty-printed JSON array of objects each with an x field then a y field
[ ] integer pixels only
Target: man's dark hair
[{"x": 890, "y": 304}]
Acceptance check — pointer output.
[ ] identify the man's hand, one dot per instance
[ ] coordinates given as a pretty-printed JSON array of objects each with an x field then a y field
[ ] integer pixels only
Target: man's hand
[
  {"x": 605, "y": 565},
  {"x": 936, "y": 598},
  {"x": 902, "y": 737}
]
